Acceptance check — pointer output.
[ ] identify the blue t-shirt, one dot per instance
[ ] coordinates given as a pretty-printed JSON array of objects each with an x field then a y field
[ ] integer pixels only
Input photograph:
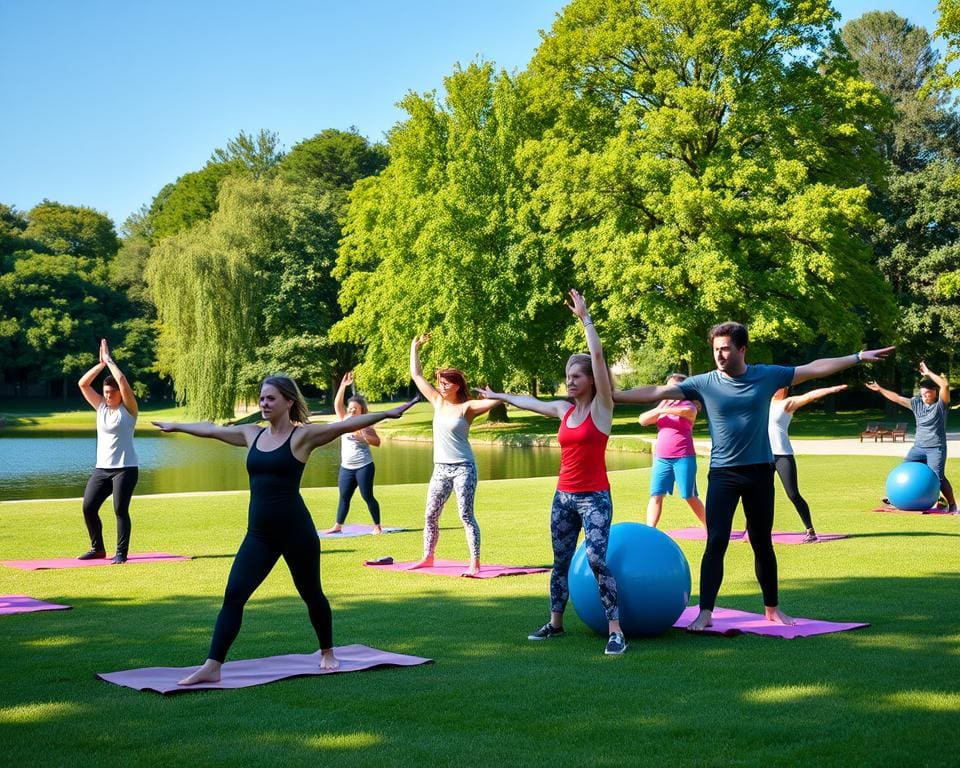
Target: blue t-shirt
[
  {"x": 931, "y": 423},
  {"x": 738, "y": 408}
]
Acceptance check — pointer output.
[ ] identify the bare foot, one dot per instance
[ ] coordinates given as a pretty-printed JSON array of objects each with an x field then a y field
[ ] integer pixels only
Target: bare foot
[
  {"x": 703, "y": 620},
  {"x": 426, "y": 562},
  {"x": 377, "y": 530},
  {"x": 474, "y": 568},
  {"x": 336, "y": 529},
  {"x": 328, "y": 660},
  {"x": 208, "y": 673},
  {"x": 777, "y": 616}
]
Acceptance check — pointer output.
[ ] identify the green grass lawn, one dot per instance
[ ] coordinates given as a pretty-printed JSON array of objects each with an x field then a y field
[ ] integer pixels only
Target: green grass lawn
[{"x": 882, "y": 696}]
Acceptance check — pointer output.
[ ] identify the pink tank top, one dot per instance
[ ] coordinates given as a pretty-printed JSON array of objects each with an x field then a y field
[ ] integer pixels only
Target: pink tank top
[
  {"x": 583, "y": 466},
  {"x": 675, "y": 435}
]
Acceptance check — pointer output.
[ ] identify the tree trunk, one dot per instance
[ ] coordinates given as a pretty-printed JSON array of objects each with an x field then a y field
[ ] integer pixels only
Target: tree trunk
[{"x": 498, "y": 413}]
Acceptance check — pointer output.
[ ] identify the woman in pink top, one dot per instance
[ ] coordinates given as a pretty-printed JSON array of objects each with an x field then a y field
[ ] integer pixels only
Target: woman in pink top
[
  {"x": 582, "y": 499},
  {"x": 674, "y": 456}
]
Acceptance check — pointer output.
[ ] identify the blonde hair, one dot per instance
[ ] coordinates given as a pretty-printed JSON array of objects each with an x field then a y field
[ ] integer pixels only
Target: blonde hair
[{"x": 288, "y": 389}]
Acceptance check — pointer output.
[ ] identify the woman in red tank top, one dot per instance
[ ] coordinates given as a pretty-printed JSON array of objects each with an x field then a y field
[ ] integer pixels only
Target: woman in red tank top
[{"x": 582, "y": 499}]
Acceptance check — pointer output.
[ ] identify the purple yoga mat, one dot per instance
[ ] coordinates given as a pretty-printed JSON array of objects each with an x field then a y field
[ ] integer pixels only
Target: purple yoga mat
[
  {"x": 72, "y": 562},
  {"x": 934, "y": 511},
  {"x": 457, "y": 568},
  {"x": 24, "y": 604},
  {"x": 730, "y": 622},
  {"x": 250, "y": 672},
  {"x": 779, "y": 537},
  {"x": 350, "y": 531}
]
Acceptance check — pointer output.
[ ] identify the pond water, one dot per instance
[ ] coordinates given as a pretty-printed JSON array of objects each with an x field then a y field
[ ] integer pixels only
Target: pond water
[{"x": 58, "y": 467}]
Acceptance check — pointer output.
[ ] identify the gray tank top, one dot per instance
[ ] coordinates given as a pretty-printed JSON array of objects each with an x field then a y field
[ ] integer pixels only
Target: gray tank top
[
  {"x": 115, "y": 438},
  {"x": 450, "y": 443}
]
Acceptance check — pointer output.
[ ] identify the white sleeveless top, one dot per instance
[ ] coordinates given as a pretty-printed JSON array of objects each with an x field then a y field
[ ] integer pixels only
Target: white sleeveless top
[
  {"x": 450, "y": 444},
  {"x": 115, "y": 438},
  {"x": 778, "y": 425},
  {"x": 354, "y": 453}
]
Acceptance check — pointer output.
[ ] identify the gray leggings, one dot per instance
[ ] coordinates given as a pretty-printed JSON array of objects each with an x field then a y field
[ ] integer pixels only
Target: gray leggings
[{"x": 447, "y": 478}]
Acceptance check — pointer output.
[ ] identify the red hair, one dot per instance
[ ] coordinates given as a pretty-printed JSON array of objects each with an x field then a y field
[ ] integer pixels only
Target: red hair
[{"x": 456, "y": 377}]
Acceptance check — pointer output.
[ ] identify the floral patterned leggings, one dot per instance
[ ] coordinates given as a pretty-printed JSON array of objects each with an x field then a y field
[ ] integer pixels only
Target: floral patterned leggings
[
  {"x": 447, "y": 478},
  {"x": 570, "y": 512}
]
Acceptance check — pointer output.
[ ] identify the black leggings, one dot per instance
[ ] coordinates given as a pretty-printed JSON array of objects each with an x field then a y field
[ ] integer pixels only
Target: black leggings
[
  {"x": 753, "y": 484},
  {"x": 787, "y": 469},
  {"x": 351, "y": 479},
  {"x": 254, "y": 561},
  {"x": 103, "y": 483}
]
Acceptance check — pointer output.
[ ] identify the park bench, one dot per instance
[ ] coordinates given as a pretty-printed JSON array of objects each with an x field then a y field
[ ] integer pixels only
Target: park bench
[
  {"x": 875, "y": 431},
  {"x": 900, "y": 430}
]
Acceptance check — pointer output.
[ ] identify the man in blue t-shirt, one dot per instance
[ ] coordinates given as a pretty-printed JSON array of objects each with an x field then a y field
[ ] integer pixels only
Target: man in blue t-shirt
[
  {"x": 736, "y": 398},
  {"x": 930, "y": 411}
]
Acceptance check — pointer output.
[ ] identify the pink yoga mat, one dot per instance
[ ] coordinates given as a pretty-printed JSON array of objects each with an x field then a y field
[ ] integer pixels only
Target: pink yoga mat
[
  {"x": 72, "y": 562},
  {"x": 456, "y": 568},
  {"x": 779, "y": 537},
  {"x": 350, "y": 531},
  {"x": 730, "y": 622},
  {"x": 24, "y": 604},
  {"x": 934, "y": 511},
  {"x": 250, "y": 672}
]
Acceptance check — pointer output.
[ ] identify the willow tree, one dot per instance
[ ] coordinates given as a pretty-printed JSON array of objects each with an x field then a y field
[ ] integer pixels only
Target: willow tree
[
  {"x": 432, "y": 244},
  {"x": 708, "y": 160}
]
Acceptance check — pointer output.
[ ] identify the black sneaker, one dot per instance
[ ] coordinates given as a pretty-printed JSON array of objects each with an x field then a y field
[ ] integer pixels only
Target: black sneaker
[
  {"x": 120, "y": 558},
  {"x": 93, "y": 554},
  {"x": 616, "y": 645},
  {"x": 809, "y": 537},
  {"x": 546, "y": 632}
]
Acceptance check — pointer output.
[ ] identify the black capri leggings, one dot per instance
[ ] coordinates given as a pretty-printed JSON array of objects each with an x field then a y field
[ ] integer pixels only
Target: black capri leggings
[
  {"x": 254, "y": 561},
  {"x": 753, "y": 484},
  {"x": 103, "y": 483},
  {"x": 787, "y": 469},
  {"x": 351, "y": 479}
]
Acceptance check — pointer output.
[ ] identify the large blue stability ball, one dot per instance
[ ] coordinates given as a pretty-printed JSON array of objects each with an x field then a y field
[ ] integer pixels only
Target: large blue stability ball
[
  {"x": 913, "y": 486},
  {"x": 653, "y": 581}
]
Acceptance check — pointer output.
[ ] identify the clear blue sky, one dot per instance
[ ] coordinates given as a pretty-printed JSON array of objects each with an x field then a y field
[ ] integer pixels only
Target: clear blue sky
[{"x": 105, "y": 101}]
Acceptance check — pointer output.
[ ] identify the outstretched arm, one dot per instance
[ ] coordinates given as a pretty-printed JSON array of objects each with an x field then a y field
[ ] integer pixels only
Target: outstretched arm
[
  {"x": 241, "y": 435},
  {"x": 940, "y": 381},
  {"x": 126, "y": 391},
  {"x": 893, "y": 397},
  {"x": 477, "y": 407},
  {"x": 649, "y": 394},
  {"x": 554, "y": 409},
  {"x": 339, "y": 402},
  {"x": 315, "y": 435},
  {"x": 425, "y": 387},
  {"x": 827, "y": 366},
  {"x": 793, "y": 403}
]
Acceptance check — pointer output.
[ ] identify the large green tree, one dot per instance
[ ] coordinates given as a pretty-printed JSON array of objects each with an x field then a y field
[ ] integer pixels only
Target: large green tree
[
  {"x": 708, "y": 160},
  {"x": 72, "y": 230},
  {"x": 333, "y": 159}
]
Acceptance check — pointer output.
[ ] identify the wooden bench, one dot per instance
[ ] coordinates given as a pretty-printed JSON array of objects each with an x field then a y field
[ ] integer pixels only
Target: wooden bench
[
  {"x": 900, "y": 430},
  {"x": 873, "y": 430}
]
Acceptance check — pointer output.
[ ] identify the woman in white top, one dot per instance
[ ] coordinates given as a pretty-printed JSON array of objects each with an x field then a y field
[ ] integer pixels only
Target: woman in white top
[
  {"x": 782, "y": 409},
  {"x": 454, "y": 468},
  {"x": 116, "y": 470},
  {"x": 356, "y": 462}
]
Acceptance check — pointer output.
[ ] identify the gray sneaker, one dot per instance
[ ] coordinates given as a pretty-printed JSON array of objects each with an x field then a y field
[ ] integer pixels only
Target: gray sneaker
[
  {"x": 545, "y": 632},
  {"x": 616, "y": 645}
]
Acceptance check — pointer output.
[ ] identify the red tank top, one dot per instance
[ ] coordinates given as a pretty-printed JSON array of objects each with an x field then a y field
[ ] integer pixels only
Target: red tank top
[{"x": 583, "y": 466}]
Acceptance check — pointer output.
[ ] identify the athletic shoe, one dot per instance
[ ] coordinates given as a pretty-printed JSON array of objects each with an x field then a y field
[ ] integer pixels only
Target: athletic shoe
[
  {"x": 545, "y": 632},
  {"x": 886, "y": 501},
  {"x": 616, "y": 645},
  {"x": 93, "y": 554},
  {"x": 809, "y": 537},
  {"x": 120, "y": 558}
]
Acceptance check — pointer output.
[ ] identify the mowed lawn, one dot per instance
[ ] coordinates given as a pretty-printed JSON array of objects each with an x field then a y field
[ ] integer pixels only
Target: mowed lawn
[{"x": 885, "y": 695}]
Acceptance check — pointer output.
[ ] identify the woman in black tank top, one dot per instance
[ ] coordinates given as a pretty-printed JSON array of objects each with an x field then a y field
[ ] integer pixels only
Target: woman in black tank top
[{"x": 278, "y": 523}]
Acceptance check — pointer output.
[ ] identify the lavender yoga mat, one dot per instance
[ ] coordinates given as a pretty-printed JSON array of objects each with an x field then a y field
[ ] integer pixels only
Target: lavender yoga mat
[
  {"x": 72, "y": 562},
  {"x": 730, "y": 622},
  {"x": 456, "y": 568},
  {"x": 250, "y": 672},
  {"x": 779, "y": 537},
  {"x": 24, "y": 604},
  {"x": 350, "y": 531}
]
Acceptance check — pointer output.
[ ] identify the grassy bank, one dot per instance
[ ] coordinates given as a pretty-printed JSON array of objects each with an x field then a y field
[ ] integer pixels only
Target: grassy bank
[{"x": 885, "y": 695}]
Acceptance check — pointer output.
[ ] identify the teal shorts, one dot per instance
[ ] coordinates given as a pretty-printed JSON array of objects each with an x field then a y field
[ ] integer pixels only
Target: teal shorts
[{"x": 683, "y": 470}]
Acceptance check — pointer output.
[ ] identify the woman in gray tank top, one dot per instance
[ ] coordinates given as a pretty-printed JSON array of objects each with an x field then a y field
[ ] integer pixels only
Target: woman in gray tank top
[{"x": 454, "y": 469}]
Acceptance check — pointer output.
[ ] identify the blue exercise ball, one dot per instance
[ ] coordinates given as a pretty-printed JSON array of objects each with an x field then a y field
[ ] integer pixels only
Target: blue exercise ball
[
  {"x": 913, "y": 486},
  {"x": 653, "y": 581}
]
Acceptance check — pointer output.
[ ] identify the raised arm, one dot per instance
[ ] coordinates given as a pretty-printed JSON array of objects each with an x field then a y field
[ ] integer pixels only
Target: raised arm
[
  {"x": 476, "y": 408},
  {"x": 554, "y": 408},
  {"x": 893, "y": 397},
  {"x": 315, "y": 435},
  {"x": 793, "y": 403},
  {"x": 86, "y": 385},
  {"x": 669, "y": 408},
  {"x": 648, "y": 394},
  {"x": 126, "y": 391},
  {"x": 827, "y": 366},
  {"x": 940, "y": 381},
  {"x": 601, "y": 374},
  {"x": 416, "y": 373},
  {"x": 339, "y": 402},
  {"x": 242, "y": 435}
]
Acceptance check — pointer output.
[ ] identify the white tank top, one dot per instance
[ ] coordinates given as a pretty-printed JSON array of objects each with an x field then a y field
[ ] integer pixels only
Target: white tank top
[
  {"x": 450, "y": 444},
  {"x": 115, "y": 438},
  {"x": 779, "y": 423},
  {"x": 354, "y": 453}
]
